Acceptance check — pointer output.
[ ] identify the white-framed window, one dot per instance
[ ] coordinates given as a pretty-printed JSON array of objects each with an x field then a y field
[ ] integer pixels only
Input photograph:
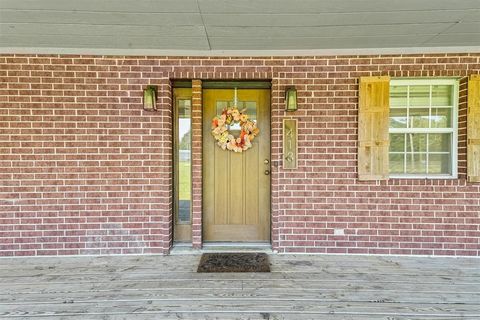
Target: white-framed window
[{"x": 423, "y": 128}]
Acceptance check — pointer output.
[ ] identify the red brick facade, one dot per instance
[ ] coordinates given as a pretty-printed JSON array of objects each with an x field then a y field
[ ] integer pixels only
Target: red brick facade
[
  {"x": 84, "y": 170},
  {"x": 197, "y": 164}
]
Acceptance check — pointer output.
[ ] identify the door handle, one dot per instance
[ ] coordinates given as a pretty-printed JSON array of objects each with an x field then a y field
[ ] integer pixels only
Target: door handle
[
  {"x": 267, "y": 172},
  {"x": 266, "y": 161}
]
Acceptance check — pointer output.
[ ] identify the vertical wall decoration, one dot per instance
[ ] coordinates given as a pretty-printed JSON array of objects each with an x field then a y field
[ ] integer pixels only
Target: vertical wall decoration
[
  {"x": 290, "y": 143},
  {"x": 373, "y": 125},
  {"x": 473, "y": 129}
]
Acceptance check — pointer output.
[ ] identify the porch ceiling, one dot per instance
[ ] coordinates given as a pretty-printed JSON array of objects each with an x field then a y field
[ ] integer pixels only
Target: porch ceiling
[{"x": 237, "y": 26}]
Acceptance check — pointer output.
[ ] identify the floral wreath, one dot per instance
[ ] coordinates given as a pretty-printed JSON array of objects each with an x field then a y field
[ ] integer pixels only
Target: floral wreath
[{"x": 222, "y": 123}]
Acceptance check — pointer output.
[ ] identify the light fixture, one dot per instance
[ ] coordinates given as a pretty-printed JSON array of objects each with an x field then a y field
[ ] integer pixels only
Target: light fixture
[
  {"x": 150, "y": 98},
  {"x": 291, "y": 99}
]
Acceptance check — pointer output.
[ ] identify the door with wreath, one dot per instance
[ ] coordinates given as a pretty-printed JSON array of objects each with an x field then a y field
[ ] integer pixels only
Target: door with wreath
[{"x": 236, "y": 165}]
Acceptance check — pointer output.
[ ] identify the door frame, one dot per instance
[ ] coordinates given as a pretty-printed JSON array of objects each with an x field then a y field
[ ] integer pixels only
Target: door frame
[
  {"x": 197, "y": 86},
  {"x": 256, "y": 85}
]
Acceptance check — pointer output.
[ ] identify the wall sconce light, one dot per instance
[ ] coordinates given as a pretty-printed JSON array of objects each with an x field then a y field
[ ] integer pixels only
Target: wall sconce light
[
  {"x": 150, "y": 98},
  {"x": 291, "y": 99}
]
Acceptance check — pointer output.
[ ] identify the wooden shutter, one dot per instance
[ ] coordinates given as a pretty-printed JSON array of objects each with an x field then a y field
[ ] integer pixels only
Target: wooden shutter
[
  {"x": 373, "y": 112},
  {"x": 473, "y": 129}
]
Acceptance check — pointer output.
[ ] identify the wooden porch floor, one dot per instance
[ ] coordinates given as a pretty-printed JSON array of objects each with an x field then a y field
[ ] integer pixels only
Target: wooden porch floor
[{"x": 299, "y": 287}]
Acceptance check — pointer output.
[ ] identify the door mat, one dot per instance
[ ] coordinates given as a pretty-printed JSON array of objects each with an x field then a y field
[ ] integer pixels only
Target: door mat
[{"x": 234, "y": 262}]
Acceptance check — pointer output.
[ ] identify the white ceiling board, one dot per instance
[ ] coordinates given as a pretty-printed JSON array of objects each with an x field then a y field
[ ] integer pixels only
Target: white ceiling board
[
  {"x": 199, "y": 31},
  {"x": 328, "y": 31},
  {"x": 240, "y": 6},
  {"x": 322, "y": 6},
  {"x": 171, "y": 6},
  {"x": 100, "y": 30},
  {"x": 148, "y": 42},
  {"x": 464, "y": 27},
  {"x": 461, "y": 39},
  {"x": 241, "y": 53},
  {"x": 472, "y": 16},
  {"x": 155, "y": 19},
  {"x": 227, "y": 43},
  {"x": 332, "y": 19},
  {"x": 222, "y": 26}
]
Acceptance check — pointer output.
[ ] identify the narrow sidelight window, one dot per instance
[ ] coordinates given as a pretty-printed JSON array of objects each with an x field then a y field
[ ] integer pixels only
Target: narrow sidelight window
[{"x": 183, "y": 164}]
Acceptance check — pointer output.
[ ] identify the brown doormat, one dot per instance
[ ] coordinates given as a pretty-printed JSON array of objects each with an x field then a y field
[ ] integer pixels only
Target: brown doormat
[{"x": 234, "y": 262}]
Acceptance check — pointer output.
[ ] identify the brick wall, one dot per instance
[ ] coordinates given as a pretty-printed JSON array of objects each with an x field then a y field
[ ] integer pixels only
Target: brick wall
[
  {"x": 196, "y": 139},
  {"x": 84, "y": 170}
]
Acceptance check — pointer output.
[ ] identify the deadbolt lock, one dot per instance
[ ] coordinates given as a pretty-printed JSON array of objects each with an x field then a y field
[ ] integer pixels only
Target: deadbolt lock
[{"x": 267, "y": 172}]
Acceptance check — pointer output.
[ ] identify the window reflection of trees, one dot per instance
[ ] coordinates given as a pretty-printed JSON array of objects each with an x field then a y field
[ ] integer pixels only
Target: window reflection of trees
[{"x": 416, "y": 109}]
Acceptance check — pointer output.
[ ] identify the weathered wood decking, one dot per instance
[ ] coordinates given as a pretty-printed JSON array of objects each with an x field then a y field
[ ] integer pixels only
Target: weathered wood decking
[{"x": 299, "y": 287}]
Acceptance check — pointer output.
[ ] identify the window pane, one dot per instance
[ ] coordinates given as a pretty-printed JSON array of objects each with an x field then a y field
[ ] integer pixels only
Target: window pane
[
  {"x": 418, "y": 118},
  {"x": 441, "y": 118},
  {"x": 251, "y": 109},
  {"x": 416, "y": 163},
  {"x": 396, "y": 164},
  {"x": 398, "y": 96},
  {"x": 416, "y": 142},
  {"x": 420, "y": 96},
  {"x": 439, "y": 164},
  {"x": 184, "y": 109},
  {"x": 439, "y": 142},
  {"x": 418, "y": 110},
  {"x": 397, "y": 142},
  {"x": 222, "y": 105},
  {"x": 250, "y": 106},
  {"x": 442, "y": 95},
  {"x": 184, "y": 160},
  {"x": 398, "y": 118}
]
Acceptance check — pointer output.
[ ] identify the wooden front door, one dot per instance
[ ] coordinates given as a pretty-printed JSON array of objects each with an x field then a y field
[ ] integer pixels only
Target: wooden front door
[{"x": 237, "y": 185}]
